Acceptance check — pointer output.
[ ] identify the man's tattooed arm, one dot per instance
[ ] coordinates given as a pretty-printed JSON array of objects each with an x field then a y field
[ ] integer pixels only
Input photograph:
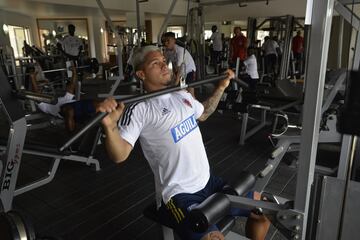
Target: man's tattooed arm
[{"x": 211, "y": 103}]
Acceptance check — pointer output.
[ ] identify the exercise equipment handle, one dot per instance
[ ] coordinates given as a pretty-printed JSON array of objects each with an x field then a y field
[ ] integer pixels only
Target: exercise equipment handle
[
  {"x": 209, "y": 212},
  {"x": 241, "y": 185},
  {"x": 266, "y": 171},
  {"x": 128, "y": 100},
  {"x": 37, "y": 97}
]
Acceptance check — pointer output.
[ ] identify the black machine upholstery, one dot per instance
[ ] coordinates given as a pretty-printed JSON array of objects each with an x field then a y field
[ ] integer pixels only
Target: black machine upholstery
[{"x": 214, "y": 209}]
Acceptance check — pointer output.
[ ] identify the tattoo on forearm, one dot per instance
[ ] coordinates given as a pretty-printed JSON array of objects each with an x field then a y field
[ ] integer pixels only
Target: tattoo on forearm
[{"x": 211, "y": 103}]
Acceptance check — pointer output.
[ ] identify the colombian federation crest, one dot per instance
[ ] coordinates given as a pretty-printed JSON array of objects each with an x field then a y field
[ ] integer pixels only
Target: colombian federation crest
[{"x": 187, "y": 102}]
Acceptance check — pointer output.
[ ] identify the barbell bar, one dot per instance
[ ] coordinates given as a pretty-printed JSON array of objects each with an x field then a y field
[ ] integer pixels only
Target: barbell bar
[
  {"x": 37, "y": 97},
  {"x": 128, "y": 100},
  {"x": 92, "y": 66}
]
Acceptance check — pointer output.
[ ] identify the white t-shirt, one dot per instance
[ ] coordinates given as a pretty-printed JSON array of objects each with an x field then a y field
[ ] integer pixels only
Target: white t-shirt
[
  {"x": 217, "y": 42},
  {"x": 270, "y": 47},
  {"x": 71, "y": 45},
  {"x": 188, "y": 60},
  {"x": 54, "y": 109},
  {"x": 171, "y": 141},
  {"x": 251, "y": 67}
]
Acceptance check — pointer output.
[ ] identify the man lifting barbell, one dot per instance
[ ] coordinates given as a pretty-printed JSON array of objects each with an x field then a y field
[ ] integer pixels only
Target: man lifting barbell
[
  {"x": 66, "y": 107},
  {"x": 168, "y": 131}
]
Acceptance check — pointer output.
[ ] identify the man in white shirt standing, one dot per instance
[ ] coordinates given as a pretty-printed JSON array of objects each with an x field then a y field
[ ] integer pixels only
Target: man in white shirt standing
[
  {"x": 71, "y": 45},
  {"x": 251, "y": 68},
  {"x": 217, "y": 47},
  {"x": 170, "y": 138},
  {"x": 180, "y": 58},
  {"x": 271, "y": 49}
]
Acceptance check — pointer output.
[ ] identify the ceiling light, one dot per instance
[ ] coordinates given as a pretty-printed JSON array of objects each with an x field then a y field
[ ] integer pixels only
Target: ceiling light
[{"x": 6, "y": 28}]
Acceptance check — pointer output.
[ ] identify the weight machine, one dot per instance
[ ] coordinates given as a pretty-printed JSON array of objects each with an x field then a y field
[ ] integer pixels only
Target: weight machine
[
  {"x": 13, "y": 147},
  {"x": 301, "y": 220}
]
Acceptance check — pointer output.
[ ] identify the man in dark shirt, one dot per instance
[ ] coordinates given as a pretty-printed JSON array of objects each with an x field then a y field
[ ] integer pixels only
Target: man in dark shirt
[
  {"x": 298, "y": 49},
  {"x": 238, "y": 46}
]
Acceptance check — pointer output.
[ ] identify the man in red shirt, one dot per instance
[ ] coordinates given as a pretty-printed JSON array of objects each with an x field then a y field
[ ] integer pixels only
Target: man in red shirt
[
  {"x": 238, "y": 46},
  {"x": 298, "y": 49}
]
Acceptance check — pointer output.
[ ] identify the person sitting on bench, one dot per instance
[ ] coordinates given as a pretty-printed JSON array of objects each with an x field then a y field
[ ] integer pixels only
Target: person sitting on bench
[
  {"x": 172, "y": 144},
  {"x": 66, "y": 107}
]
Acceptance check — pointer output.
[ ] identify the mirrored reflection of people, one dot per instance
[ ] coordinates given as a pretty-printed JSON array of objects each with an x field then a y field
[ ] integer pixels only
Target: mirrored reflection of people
[
  {"x": 217, "y": 47},
  {"x": 298, "y": 49},
  {"x": 71, "y": 45},
  {"x": 238, "y": 47},
  {"x": 175, "y": 54}
]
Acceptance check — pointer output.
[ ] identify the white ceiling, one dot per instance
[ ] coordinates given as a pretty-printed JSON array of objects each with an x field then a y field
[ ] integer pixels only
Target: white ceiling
[
  {"x": 223, "y": 2},
  {"x": 152, "y": 6},
  {"x": 118, "y": 8},
  {"x": 256, "y": 9}
]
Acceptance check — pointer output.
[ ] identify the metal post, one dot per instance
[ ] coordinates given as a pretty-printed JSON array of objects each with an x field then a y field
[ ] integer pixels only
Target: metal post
[
  {"x": 166, "y": 20},
  {"x": 356, "y": 60},
  {"x": 322, "y": 13},
  {"x": 251, "y": 31},
  {"x": 271, "y": 26},
  {"x": 234, "y": 84},
  {"x": 13, "y": 66},
  {"x": 284, "y": 67},
  {"x": 340, "y": 41},
  {"x": 344, "y": 156},
  {"x": 138, "y": 22},
  {"x": 117, "y": 37},
  {"x": 195, "y": 31},
  {"x": 307, "y": 34},
  {"x": 244, "y": 122}
]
